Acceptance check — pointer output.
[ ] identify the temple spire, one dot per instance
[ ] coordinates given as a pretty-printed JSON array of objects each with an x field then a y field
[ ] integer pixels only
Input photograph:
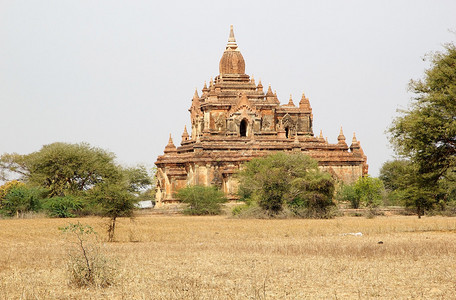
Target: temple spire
[
  {"x": 341, "y": 137},
  {"x": 304, "y": 103},
  {"x": 232, "y": 41},
  {"x": 290, "y": 102},
  {"x": 170, "y": 147},
  {"x": 185, "y": 134},
  {"x": 260, "y": 87},
  {"x": 205, "y": 89},
  {"x": 269, "y": 93}
]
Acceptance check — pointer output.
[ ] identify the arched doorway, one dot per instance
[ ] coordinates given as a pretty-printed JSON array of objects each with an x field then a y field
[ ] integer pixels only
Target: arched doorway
[
  {"x": 287, "y": 131},
  {"x": 243, "y": 128}
]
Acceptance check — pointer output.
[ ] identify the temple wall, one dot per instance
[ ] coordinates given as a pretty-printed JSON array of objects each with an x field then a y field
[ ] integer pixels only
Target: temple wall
[
  {"x": 347, "y": 174},
  {"x": 205, "y": 174}
]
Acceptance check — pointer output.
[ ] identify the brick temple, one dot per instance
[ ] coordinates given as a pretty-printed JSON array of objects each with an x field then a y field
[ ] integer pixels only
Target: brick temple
[{"x": 235, "y": 120}]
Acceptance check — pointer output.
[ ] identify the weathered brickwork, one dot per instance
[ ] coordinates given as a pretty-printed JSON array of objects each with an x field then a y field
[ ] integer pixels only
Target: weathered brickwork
[{"x": 233, "y": 121}]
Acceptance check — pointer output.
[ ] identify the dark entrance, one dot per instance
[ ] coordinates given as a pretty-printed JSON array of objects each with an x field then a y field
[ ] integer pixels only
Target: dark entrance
[
  {"x": 287, "y": 130},
  {"x": 243, "y": 128}
]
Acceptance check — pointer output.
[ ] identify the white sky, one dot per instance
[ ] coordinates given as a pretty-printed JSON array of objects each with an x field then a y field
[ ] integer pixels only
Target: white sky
[{"x": 120, "y": 75}]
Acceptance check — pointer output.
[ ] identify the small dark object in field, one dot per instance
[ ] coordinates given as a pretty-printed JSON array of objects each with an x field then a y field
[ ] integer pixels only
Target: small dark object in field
[{"x": 380, "y": 242}]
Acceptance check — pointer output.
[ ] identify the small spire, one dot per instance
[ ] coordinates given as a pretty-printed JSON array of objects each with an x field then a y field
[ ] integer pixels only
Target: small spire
[
  {"x": 260, "y": 86},
  {"x": 326, "y": 140},
  {"x": 276, "y": 100},
  {"x": 252, "y": 80},
  {"x": 185, "y": 134},
  {"x": 290, "y": 102},
  {"x": 304, "y": 103},
  {"x": 196, "y": 94},
  {"x": 356, "y": 146},
  {"x": 205, "y": 89},
  {"x": 321, "y": 133},
  {"x": 170, "y": 147},
  {"x": 231, "y": 38},
  {"x": 341, "y": 137},
  {"x": 269, "y": 93}
]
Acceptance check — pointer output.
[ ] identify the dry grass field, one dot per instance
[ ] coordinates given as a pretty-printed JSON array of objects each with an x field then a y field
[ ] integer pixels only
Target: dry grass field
[{"x": 179, "y": 257}]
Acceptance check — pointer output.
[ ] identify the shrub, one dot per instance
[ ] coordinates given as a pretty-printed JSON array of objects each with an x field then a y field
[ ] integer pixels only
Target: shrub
[
  {"x": 369, "y": 191},
  {"x": 19, "y": 200},
  {"x": 347, "y": 194},
  {"x": 201, "y": 200},
  {"x": 87, "y": 266},
  {"x": 63, "y": 207},
  {"x": 366, "y": 192},
  {"x": 5, "y": 188}
]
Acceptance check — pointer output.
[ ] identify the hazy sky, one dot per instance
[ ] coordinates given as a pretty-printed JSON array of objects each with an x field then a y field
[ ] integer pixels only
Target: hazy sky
[{"x": 120, "y": 75}]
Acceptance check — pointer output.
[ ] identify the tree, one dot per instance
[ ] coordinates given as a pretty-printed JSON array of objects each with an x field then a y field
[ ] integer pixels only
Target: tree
[
  {"x": 115, "y": 201},
  {"x": 426, "y": 132},
  {"x": 405, "y": 184},
  {"x": 395, "y": 173},
  {"x": 62, "y": 168},
  {"x": 71, "y": 172},
  {"x": 202, "y": 200},
  {"x": 287, "y": 180}
]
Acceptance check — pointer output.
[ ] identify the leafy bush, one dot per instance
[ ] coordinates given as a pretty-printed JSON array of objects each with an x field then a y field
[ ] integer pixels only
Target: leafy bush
[
  {"x": 63, "y": 207},
  {"x": 366, "y": 192},
  {"x": 201, "y": 200},
  {"x": 20, "y": 199},
  {"x": 7, "y": 186},
  {"x": 348, "y": 194}
]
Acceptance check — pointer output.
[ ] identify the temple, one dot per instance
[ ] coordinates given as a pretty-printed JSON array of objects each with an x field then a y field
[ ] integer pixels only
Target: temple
[{"x": 234, "y": 120}]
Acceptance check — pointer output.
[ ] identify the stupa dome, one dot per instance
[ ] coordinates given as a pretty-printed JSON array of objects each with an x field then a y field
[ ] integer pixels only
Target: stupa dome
[{"x": 232, "y": 61}]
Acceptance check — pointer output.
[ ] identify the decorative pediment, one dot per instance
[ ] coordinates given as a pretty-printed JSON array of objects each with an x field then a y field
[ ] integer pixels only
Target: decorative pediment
[{"x": 244, "y": 105}]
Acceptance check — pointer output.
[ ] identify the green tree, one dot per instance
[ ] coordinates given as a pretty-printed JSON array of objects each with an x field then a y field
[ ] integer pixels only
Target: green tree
[
  {"x": 287, "y": 180},
  {"x": 71, "y": 172},
  {"x": 426, "y": 132},
  {"x": 406, "y": 186},
  {"x": 62, "y": 168},
  {"x": 395, "y": 174},
  {"x": 114, "y": 201},
  {"x": 201, "y": 200}
]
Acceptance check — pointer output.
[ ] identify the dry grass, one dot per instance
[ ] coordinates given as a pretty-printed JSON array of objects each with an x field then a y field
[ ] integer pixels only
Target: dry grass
[{"x": 179, "y": 257}]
